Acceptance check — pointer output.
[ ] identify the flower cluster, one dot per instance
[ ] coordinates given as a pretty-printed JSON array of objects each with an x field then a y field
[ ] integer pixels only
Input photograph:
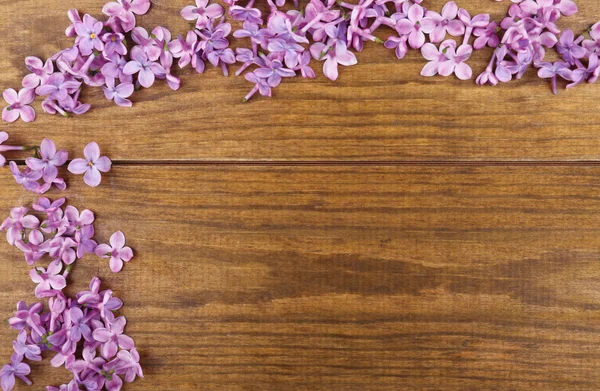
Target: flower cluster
[
  {"x": 41, "y": 171},
  {"x": 283, "y": 44},
  {"x": 85, "y": 335},
  {"x": 83, "y": 332}
]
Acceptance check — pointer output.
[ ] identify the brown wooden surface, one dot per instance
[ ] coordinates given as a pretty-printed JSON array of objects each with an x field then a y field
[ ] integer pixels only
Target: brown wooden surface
[
  {"x": 379, "y": 110},
  {"x": 430, "y": 268},
  {"x": 346, "y": 278}
]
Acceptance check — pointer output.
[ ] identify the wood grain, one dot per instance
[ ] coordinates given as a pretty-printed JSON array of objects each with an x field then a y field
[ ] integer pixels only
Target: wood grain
[
  {"x": 346, "y": 278},
  {"x": 380, "y": 110}
]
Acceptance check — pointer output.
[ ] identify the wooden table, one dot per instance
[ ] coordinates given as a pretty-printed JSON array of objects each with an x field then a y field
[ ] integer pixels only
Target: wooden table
[{"x": 384, "y": 232}]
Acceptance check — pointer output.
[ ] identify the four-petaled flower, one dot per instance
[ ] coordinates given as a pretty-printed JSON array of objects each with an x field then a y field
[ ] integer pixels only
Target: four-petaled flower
[
  {"x": 49, "y": 160},
  {"x": 112, "y": 338},
  {"x": 91, "y": 166},
  {"x": 48, "y": 280},
  {"x": 89, "y": 35},
  {"x": 117, "y": 251},
  {"x": 18, "y": 105},
  {"x": 148, "y": 70},
  {"x": 202, "y": 12}
]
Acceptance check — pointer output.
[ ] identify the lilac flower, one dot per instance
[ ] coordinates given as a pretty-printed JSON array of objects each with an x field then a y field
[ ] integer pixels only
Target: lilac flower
[
  {"x": 18, "y": 220},
  {"x": 583, "y": 73},
  {"x": 119, "y": 93},
  {"x": 435, "y": 56},
  {"x": 89, "y": 35},
  {"x": 147, "y": 69},
  {"x": 92, "y": 296},
  {"x": 78, "y": 326},
  {"x": 184, "y": 49},
  {"x": 202, "y": 12},
  {"x": 456, "y": 62},
  {"x": 18, "y": 105},
  {"x": 39, "y": 72},
  {"x": 114, "y": 68},
  {"x": 62, "y": 248},
  {"x": 147, "y": 43},
  {"x": 445, "y": 23},
  {"x": 125, "y": 11},
  {"x": 550, "y": 70},
  {"x": 34, "y": 248},
  {"x": 49, "y": 160},
  {"x": 223, "y": 57},
  {"x": 113, "y": 44},
  {"x": 85, "y": 243},
  {"x": 74, "y": 17},
  {"x": 303, "y": 65},
  {"x": 338, "y": 54},
  {"x": 48, "y": 280},
  {"x": 245, "y": 14},
  {"x": 593, "y": 45},
  {"x": 260, "y": 84},
  {"x": 16, "y": 369},
  {"x": 112, "y": 338},
  {"x": 486, "y": 36},
  {"x": 130, "y": 366},
  {"x": 22, "y": 348},
  {"x": 399, "y": 44},
  {"x": 478, "y": 21},
  {"x": 44, "y": 205},
  {"x": 289, "y": 50},
  {"x": 28, "y": 178},
  {"x": 58, "y": 86},
  {"x": 416, "y": 26},
  {"x": 569, "y": 48},
  {"x": 117, "y": 251},
  {"x": 91, "y": 166}
]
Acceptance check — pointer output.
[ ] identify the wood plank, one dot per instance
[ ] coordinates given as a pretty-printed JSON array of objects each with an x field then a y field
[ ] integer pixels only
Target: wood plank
[
  {"x": 346, "y": 278},
  {"x": 381, "y": 110}
]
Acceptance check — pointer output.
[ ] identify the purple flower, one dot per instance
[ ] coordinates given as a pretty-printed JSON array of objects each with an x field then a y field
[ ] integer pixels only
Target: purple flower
[
  {"x": 85, "y": 243},
  {"x": 91, "y": 166},
  {"x": 39, "y": 72},
  {"x": 48, "y": 280},
  {"x": 119, "y": 93},
  {"x": 130, "y": 365},
  {"x": 333, "y": 55},
  {"x": 18, "y": 105},
  {"x": 415, "y": 25},
  {"x": 549, "y": 70},
  {"x": 303, "y": 65},
  {"x": 435, "y": 56},
  {"x": 486, "y": 36},
  {"x": 88, "y": 32},
  {"x": 202, "y": 12},
  {"x": 398, "y": 43},
  {"x": 16, "y": 369},
  {"x": 456, "y": 62},
  {"x": 445, "y": 23},
  {"x": 223, "y": 57},
  {"x": 49, "y": 160},
  {"x": 245, "y": 14},
  {"x": 74, "y": 17},
  {"x": 593, "y": 45},
  {"x": 583, "y": 73},
  {"x": 112, "y": 338},
  {"x": 260, "y": 84},
  {"x": 114, "y": 68},
  {"x": 147, "y": 69},
  {"x": 58, "y": 86},
  {"x": 113, "y": 44},
  {"x": 78, "y": 327},
  {"x": 125, "y": 11},
  {"x": 62, "y": 248},
  {"x": 288, "y": 50},
  {"x": 22, "y": 348},
  {"x": 569, "y": 48},
  {"x": 29, "y": 179},
  {"x": 117, "y": 251},
  {"x": 184, "y": 49},
  {"x": 15, "y": 224},
  {"x": 147, "y": 43},
  {"x": 34, "y": 248}
]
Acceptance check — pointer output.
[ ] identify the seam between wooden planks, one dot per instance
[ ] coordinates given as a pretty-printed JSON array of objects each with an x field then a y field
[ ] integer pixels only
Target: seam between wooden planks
[{"x": 341, "y": 163}]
